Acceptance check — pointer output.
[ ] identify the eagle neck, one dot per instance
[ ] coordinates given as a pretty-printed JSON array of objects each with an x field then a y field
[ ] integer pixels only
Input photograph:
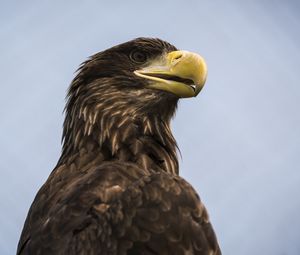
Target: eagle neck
[
  {"x": 145, "y": 140},
  {"x": 119, "y": 124}
]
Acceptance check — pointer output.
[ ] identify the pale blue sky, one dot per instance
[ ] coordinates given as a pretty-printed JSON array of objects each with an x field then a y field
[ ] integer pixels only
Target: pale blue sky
[{"x": 239, "y": 139}]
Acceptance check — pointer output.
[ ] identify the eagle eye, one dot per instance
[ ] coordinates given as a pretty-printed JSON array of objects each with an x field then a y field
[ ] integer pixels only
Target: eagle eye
[{"x": 138, "y": 57}]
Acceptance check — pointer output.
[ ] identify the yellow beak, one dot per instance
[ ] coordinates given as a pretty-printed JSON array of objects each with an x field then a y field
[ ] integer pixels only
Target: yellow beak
[{"x": 182, "y": 73}]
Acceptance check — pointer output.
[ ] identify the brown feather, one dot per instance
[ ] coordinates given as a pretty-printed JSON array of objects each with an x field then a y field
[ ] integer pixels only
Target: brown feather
[{"x": 116, "y": 189}]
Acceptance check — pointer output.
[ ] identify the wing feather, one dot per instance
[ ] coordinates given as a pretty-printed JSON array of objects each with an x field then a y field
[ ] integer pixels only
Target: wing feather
[{"x": 117, "y": 208}]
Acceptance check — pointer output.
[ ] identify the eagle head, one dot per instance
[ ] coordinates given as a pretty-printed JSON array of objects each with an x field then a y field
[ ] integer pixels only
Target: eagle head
[{"x": 132, "y": 81}]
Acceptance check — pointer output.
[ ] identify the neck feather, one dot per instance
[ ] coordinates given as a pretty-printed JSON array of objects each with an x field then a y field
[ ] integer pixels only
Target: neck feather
[{"x": 116, "y": 130}]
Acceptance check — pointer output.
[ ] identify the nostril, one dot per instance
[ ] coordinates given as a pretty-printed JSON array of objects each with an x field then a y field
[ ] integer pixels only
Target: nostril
[{"x": 178, "y": 56}]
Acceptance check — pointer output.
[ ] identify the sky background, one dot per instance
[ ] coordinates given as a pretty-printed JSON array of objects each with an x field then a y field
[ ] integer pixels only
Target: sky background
[{"x": 239, "y": 139}]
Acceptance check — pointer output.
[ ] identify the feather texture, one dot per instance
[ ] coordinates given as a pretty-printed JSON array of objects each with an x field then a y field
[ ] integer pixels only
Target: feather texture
[{"x": 116, "y": 189}]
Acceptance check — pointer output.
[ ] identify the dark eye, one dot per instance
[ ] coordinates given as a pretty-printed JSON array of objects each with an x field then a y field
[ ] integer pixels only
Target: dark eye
[{"x": 139, "y": 57}]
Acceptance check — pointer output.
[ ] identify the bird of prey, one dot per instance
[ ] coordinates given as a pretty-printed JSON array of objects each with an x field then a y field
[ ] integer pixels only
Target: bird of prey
[{"x": 116, "y": 188}]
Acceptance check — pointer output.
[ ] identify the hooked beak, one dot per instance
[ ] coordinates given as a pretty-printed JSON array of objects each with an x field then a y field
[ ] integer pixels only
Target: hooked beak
[{"x": 182, "y": 73}]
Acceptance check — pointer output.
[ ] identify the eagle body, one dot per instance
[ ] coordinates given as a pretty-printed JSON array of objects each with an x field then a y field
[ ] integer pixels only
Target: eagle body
[{"x": 116, "y": 189}]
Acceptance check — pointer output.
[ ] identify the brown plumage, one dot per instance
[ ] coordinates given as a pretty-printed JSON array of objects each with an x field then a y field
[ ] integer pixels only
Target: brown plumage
[{"x": 116, "y": 189}]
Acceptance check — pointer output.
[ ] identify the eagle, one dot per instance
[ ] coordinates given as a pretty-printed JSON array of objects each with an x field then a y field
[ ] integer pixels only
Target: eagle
[{"x": 116, "y": 188}]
